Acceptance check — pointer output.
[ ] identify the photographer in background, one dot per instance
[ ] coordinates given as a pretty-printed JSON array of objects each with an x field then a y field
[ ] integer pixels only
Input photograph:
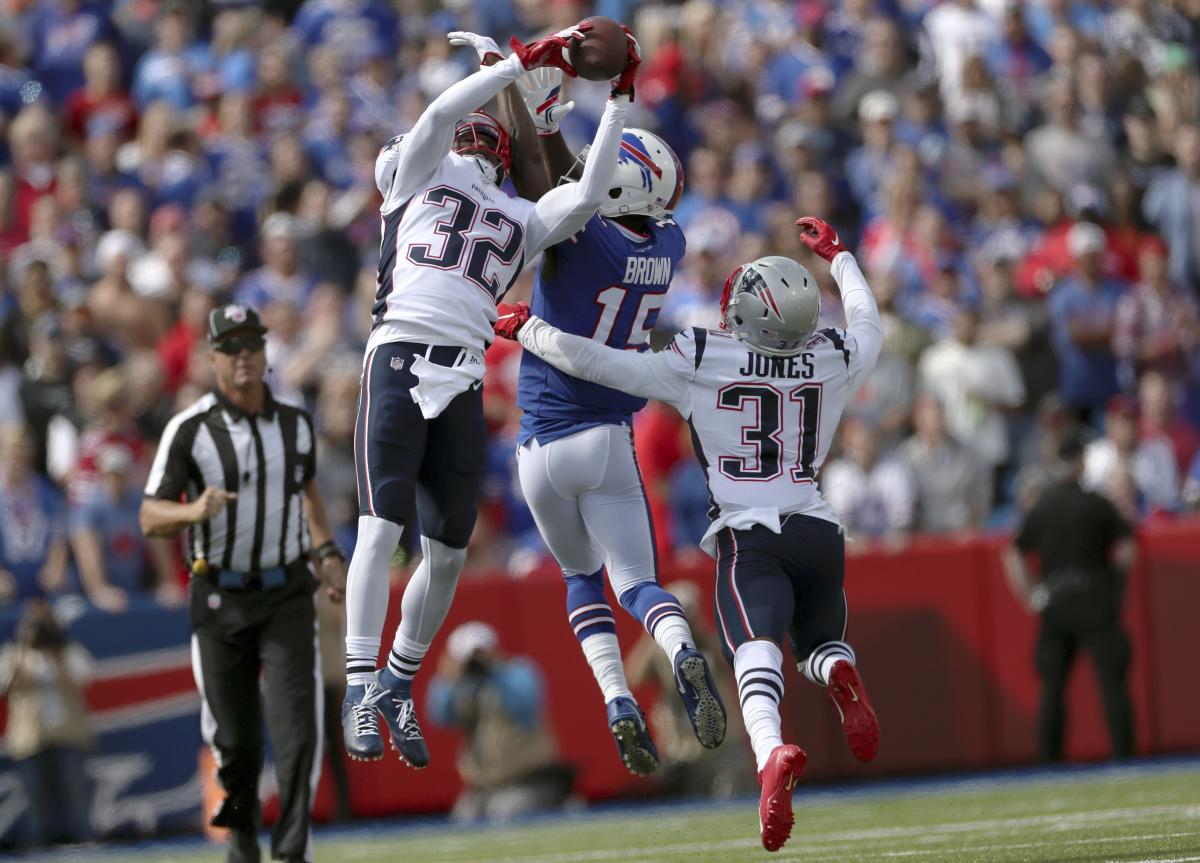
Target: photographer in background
[
  {"x": 43, "y": 674},
  {"x": 509, "y": 760}
]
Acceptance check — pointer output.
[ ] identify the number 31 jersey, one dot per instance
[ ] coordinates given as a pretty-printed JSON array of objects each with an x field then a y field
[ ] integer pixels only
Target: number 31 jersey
[
  {"x": 762, "y": 426},
  {"x": 608, "y": 286},
  {"x": 449, "y": 252}
]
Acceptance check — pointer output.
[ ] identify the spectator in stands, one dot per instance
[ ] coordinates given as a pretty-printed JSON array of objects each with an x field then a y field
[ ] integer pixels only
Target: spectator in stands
[
  {"x": 116, "y": 562},
  {"x": 868, "y": 166},
  {"x": 1170, "y": 206},
  {"x": 279, "y": 279},
  {"x": 1082, "y": 314},
  {"x": 1160, "y": 418},
  {"x": 42, "y": 675},
  {"x": 509, "y": 760},
  {"x": 101, "y": 103},
  {"x": 880, "y": 64},
  {"x": 1157, "y": 326},
  {"x": 873, "y": 495},
  {"x": 33, "y": 545},
  {"x": 953, "y": 485},
  {"x": 976, "y": 384},
  {"x": 1061, "y": 152},
  {"x": 172, "y": 69},
  {"x": 1150, "y": 462}
]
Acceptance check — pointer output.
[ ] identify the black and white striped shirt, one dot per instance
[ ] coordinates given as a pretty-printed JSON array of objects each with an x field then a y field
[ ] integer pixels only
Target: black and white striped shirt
[{"x": 267, "y": 459}]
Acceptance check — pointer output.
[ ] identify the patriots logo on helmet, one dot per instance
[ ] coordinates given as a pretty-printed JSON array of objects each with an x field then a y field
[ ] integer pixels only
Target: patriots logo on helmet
[
  {"x": 632, "y": 150},
  {"x": 756, "y": 285}
]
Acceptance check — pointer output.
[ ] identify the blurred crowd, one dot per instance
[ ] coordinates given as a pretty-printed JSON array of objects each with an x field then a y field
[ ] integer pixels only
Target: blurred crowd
[{"x": 1020, "y": 181}]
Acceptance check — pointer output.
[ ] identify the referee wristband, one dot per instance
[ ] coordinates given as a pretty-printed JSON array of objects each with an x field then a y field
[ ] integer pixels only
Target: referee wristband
[{"x": 329, "y": 549}]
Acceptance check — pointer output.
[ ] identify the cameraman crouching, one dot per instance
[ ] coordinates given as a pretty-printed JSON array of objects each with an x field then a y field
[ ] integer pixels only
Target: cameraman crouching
[{"x": 509, "y": 760}]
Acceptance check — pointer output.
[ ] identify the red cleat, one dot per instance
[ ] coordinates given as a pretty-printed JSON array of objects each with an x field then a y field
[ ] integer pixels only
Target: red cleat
[
  {"x": 784, "y": 768},
  {"x": 858, "y": 716}
]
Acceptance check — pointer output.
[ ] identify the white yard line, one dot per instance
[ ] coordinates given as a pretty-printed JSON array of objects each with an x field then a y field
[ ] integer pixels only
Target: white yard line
[
  {"x": 1159, "y": 860},
  {"x": 1058, "y": 821}
]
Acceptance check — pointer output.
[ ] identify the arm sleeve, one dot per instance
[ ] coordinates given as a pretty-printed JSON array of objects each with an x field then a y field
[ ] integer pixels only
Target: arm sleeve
[
  {"x": 409, "y": 160},
  {"x": 862, "y": 316},
  {"x": 1026, "y": 539},
  {"x": 169, "y": 474},
  {"x": 565, "y": 209},
  {"x": 664, "y": 375}
]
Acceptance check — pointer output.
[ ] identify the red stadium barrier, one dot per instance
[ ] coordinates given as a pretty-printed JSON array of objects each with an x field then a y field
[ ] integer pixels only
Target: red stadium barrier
[{"x": 945, "y": 649}]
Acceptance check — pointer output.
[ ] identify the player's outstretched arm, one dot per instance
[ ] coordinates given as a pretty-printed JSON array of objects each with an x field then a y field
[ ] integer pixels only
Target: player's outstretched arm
[
  {"x": 406, "y": 163},
  {"x": 862, "y": 315},
  {"x": 528, "y": 169},
  {"x": 563, "y": 210},
  {"x": 659, "y": 375}
]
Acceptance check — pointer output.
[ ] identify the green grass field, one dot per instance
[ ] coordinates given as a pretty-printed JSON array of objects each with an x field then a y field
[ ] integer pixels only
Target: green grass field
[{"x": 1120, "y": 814}]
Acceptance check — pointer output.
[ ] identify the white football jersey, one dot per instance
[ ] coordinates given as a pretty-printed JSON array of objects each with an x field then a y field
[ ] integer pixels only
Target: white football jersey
[
  {"x": 761, "y": 425},
  {"x": 450, "y": 250}
]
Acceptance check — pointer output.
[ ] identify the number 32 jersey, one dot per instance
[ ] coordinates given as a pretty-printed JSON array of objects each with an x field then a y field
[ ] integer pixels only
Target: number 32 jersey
[{"x": 449, "y": 252}]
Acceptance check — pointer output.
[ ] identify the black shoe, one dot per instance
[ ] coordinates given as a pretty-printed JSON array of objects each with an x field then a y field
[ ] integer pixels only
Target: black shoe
[{"x": 243, "y": 847}]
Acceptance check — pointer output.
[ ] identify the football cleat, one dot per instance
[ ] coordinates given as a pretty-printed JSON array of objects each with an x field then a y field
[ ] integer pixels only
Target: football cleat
[
  {"x": 360, "y": 726},
  {"x": 628, "y": 726},
  {"x": 401, "y": 718},
  {"x": 859, "y": 721},
  {"x": 243, "y": 846},
  {"x": 785, "y": 766},
  {"x": 700, "y": 698}
]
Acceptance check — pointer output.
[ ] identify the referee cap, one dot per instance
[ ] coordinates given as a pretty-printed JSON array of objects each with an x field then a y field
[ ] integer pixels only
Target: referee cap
[{"x": 233, "y": 318}]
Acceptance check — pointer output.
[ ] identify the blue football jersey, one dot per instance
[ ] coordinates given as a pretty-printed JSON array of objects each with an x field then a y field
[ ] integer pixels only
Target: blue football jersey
[{"x": 609, "y": 284}]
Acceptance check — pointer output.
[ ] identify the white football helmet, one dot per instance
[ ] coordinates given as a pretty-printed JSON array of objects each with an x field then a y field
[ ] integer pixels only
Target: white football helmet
[
  {"x": 648, "y": 179},
  {"x": 772, "y": 304}
]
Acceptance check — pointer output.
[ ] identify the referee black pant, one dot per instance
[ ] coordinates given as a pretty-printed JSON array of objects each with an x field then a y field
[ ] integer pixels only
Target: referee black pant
[{"x": 238, "y": 636}]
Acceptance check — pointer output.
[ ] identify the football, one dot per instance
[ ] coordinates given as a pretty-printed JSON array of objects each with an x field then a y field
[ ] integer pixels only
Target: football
[{"x": 601, "y": 54}]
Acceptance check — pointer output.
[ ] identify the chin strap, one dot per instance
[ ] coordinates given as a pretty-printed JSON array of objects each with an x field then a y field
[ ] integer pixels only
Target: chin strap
[{"x": 490, "y": 170}]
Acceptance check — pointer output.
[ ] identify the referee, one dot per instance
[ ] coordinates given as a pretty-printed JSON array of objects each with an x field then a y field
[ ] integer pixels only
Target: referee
[{"x": 237, "y": 470}]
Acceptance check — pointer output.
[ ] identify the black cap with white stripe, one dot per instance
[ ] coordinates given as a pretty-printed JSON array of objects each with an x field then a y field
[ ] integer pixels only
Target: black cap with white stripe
[{"x": 234, "y": 317}]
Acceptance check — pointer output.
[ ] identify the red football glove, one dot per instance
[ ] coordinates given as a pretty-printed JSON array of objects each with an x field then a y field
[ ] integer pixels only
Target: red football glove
[
  {"x": 551, "y": 51},
  {"x": 820, "y": 236},
  {"x": 624, "y": 84},
  {"x": 511, "y": 319}
]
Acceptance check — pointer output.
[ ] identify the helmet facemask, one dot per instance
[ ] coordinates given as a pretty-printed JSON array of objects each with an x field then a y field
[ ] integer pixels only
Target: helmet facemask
[{"x": 481, "y": 135}]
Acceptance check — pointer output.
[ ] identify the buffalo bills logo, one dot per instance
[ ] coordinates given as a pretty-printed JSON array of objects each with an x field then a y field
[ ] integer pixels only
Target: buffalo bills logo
[{"x": 632, "y": 150}]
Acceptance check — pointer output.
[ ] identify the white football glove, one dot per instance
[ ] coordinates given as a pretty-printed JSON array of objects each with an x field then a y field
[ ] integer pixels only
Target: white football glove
[
  {"x": 541, "y": 89},
  {"x": 483, "y": 45}
]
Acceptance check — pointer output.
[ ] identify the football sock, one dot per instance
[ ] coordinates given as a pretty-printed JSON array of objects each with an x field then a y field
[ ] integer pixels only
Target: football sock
[
  {"x": 426, "y": 600},
  {"x": 367, "y": 595},
  {"x": 591, "y": 619},
  {"x": 361, "y": 654},
  {"x": 603, "y": 654},
  {"x": 661, "y": 614},
  {"x": 404, "y": 660},
  {"x": 758, "y": 665},
  {"x": 821, "y": 661}
]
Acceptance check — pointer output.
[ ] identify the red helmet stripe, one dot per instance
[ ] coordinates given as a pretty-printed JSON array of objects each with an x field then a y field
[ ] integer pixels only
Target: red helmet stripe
[
  {"x": 769, "y": 299},
  {"x": 642, "y": 157}
]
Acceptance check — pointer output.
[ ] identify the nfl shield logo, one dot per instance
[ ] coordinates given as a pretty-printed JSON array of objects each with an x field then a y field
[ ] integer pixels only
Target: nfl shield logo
[
  {"x": 396, "y": 363},
  {"x": 237, "y": 314}
]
